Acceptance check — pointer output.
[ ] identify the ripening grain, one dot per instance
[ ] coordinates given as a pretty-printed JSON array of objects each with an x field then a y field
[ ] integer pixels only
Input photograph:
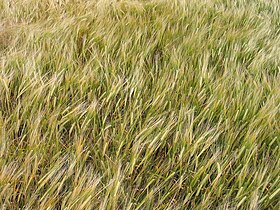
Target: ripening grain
[{"x": 139, "y": 104}]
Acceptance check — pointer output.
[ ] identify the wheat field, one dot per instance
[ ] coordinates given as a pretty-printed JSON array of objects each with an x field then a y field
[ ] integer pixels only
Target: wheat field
[{"x": 139, "y": 104}]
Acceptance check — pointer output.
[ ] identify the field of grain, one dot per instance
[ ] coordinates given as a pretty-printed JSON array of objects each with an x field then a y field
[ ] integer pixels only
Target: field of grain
[{"x": 139, "y": 104}]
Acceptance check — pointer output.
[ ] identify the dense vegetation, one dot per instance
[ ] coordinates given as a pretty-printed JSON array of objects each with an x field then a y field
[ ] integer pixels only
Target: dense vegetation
[{"x": 152, "y": 104}]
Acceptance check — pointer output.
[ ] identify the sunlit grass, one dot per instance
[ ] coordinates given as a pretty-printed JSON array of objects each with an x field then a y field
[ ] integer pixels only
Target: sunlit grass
[{"x": 152, "y": 104}]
